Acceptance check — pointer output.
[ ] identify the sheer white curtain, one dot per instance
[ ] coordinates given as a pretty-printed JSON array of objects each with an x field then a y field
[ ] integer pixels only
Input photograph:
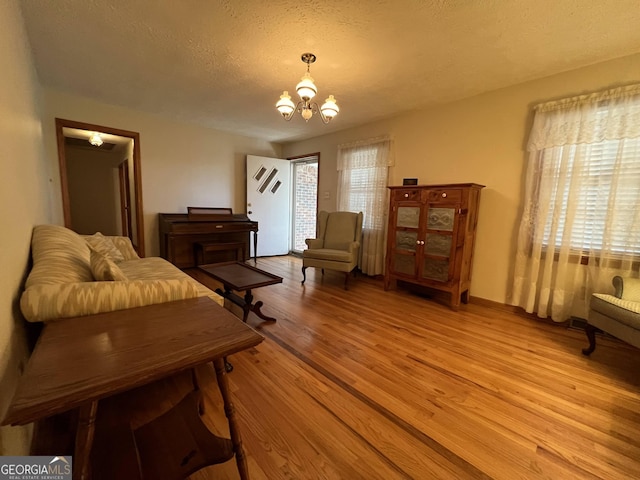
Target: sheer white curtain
[
  {"x": 581, "y": 219},
  {"x": 363, "y": 172}
]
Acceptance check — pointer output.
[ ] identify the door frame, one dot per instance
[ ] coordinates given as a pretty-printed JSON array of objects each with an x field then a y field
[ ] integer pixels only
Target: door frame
[
  {"x": 293, "y": 161},
  {"x": 137, "y": 180},
  {"x": 125, "y": 197}
]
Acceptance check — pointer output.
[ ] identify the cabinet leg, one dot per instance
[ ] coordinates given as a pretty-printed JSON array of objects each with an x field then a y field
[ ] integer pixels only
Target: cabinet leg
[
  {"x": 390, "y": 283},
  {"x": 465, "y": 297},
  {"x": 455, "y": 299}
]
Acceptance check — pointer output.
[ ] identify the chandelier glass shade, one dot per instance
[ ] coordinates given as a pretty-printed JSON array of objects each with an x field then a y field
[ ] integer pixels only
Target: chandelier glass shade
[
  {"x": 307, "y": 90},
  {"x": 95, "y": 139}
]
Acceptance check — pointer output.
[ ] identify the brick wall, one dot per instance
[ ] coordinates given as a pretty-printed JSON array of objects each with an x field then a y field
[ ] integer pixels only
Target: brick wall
[{"x": 306, "y": 185}]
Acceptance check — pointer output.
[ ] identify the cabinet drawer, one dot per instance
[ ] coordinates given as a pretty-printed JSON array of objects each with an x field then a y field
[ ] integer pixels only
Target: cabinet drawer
[
  {"x": 412, "y": 194},
  {"x": 444, "y": 195}
]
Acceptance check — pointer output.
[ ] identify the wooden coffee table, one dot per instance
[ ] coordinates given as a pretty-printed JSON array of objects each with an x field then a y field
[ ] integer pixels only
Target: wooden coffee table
[{"x": 241, "y": 277}]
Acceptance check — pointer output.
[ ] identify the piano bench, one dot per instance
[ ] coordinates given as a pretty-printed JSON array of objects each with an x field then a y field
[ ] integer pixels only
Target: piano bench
[{"x": 213, "y": 252}]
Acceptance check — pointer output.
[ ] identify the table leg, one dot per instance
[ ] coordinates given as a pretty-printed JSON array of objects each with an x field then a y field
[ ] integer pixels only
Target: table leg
[
  {"x": 230, "y": 412},
  {"x": 247, "y": 307},
  {"x": 256, "y": 309},
  {"x": 245, "y": 303},
  {"x": 84, "y": 440},
  {"x": 255, "y": 248}
]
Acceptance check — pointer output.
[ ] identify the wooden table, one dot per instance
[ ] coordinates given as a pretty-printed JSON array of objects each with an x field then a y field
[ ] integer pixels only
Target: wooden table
[
  {"x": 78, "y": 361},
  {"x": 241, "y": 277}
]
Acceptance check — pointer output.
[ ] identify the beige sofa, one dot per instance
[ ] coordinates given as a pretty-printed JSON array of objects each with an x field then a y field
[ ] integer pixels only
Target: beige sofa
[
  {"x": 76, "y": 275},
  {"x": 617, "y": 314}
]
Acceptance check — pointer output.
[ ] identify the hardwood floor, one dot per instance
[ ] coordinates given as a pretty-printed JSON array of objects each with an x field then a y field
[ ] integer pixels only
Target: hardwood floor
[{"x": 368, "y": 384}]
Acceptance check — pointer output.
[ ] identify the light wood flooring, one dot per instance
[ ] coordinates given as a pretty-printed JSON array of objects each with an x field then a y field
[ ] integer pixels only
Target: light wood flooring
[{"x": 368, "y": 384}]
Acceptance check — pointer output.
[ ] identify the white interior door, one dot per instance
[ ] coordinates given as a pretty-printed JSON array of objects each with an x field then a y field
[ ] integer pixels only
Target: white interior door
[{"x": 269, "y": 203}]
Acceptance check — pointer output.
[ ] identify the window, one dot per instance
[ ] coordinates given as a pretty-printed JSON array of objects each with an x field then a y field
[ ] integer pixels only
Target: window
[
  {"x": 366, "y": 191},
  {"x": 607, "y": 180},
  {"x": 582, "y": 202},
  {"x": 362, "y": 187}
]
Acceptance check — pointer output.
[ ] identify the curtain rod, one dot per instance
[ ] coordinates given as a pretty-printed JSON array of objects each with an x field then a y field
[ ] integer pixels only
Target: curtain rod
[
  {"x": 594, "y": 97},
  {"x": 368, "y": 141}
]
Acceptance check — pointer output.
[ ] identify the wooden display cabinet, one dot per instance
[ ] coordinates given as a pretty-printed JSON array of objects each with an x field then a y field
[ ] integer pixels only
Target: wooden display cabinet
[{"x": 431, "y": 237}]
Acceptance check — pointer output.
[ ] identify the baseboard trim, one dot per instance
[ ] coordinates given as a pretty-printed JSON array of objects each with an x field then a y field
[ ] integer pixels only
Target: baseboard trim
[{"x": 503, "y": 307}]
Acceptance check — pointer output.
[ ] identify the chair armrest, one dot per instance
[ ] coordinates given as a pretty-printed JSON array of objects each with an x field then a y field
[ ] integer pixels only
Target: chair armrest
[
  {"x": 627, "y": 288},
  {"x": 354, "y": 246},
  {"x": 314, "y": 242}
]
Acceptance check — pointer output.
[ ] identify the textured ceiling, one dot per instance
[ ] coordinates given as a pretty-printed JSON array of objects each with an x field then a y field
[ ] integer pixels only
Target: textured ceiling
[{"x": 223, "y": 64}]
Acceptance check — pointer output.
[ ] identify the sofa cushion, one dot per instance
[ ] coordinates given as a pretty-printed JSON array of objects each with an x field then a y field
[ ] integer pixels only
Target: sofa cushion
[
  {"x": 124, "y": 245},
  {"x": 61, "y": 285},
  {"x": 105, "y": 246},
  {"x": 328, "y": 254},
  {"x": 158, "y": 268},
  {"x": 104, "y": 269},
  {"x": 59, "y": 256},
  {"x": 42, "y": 303}
]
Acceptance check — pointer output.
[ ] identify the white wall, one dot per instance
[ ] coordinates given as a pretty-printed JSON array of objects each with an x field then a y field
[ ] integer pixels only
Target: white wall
[
  {"x": 24, "y": 199},
  {"x": 181, "y": 164},
  {"x": 480, "y": 139}
]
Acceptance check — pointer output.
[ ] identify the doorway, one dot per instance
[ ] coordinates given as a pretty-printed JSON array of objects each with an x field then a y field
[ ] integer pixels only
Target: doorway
[
  {"x": 268, "y": 202},
  {"x": 100, "y": 180},
  {"x": 282, "y": 196},
  {"x": 304, "y": 201}
]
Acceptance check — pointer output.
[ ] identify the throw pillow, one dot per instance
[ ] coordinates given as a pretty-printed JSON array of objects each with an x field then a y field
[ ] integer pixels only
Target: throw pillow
[
  {"x": 103, "y": 269},
  {"x": 105, "y": 246}
]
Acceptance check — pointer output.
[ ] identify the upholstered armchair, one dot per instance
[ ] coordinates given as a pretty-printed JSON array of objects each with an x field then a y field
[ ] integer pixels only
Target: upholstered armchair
[
  {"x": 618, "y": 314},
  {"x": 337, "y": 246}
]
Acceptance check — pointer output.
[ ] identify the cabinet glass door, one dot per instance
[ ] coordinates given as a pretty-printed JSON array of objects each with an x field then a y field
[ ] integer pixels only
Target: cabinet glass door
[
  {"x": 407, "y": 223},
  {"x": 441, "y": 219},
  {"x": 408, "y": 217},
  {"x": 436, "y": 269},
  {"x": 406, "y": 240},
  {"x": 438, "y": 242}
]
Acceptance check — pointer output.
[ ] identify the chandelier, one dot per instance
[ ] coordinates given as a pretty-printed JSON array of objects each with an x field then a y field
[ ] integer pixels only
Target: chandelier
[
  {"x": 307, "y": 90},
  {"x": 96, "y": 139}
]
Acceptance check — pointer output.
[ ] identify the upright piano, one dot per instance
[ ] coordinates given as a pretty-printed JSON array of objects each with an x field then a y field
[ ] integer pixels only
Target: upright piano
[{"x": 206, "y": 235}]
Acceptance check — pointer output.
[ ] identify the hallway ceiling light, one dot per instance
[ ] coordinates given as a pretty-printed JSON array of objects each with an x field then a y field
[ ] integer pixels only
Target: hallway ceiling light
[
  {"x": 307, "y": 90},
  {"x": 95, "y": 139}
]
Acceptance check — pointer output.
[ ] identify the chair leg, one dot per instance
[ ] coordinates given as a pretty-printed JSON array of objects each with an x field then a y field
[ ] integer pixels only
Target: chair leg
[
  {"x": 304, "y": 275},
  {"x": 590, "y": 330}
]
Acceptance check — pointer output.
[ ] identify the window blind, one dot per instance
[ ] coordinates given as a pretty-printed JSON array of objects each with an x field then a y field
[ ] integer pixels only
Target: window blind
[{"x": 602, "y": 195}]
